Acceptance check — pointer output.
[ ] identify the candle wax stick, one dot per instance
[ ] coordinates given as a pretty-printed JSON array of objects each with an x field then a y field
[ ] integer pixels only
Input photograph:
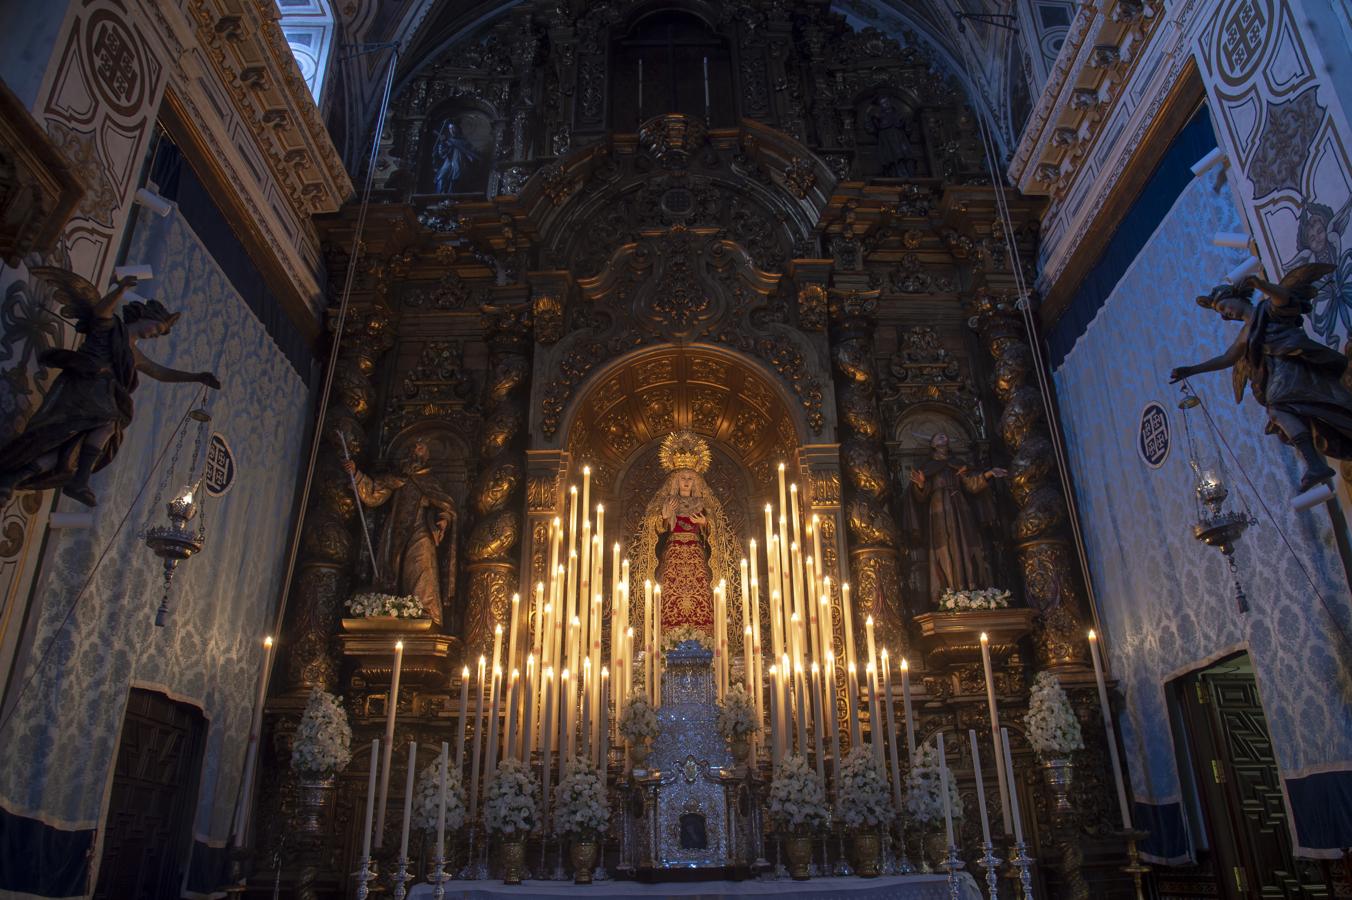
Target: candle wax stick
[
  {"x": 370, "y": 800},
  {"x": 852, "y": 698},
  {"x": 995, "y": 729},
  {"x": 1110, "y": 732},
  {"x": 891, "y": 729},
  {"x": 980, "y": 787},
  {"x": 547, "y": 745},
  {"x": 251, "y": 755},
  {"x": 476, "y": 754},
  {"x": 815, "y": 702},
  {"x": 906, "y": 709},
  {"x": 460, "y": 726},
  {"x": 391, "y": 709},
  {"x": 943, "y": 789},
  {"x": 408, "y": 797},
  {"x": 441, "y": 801}
]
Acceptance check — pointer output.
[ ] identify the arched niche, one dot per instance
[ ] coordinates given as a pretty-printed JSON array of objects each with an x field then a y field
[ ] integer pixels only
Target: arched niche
[
  {"x": 456, "y": 149},
  {"x": 671, "y": 60},
  {"x": 888, "y": 134}
]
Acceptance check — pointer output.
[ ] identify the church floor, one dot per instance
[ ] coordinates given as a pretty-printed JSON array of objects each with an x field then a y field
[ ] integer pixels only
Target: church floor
[{"x": 900, "y": 887}]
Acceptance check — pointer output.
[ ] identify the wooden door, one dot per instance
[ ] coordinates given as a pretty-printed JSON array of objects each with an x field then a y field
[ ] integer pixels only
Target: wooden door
[
  {"x": 1236, "y": 774},
  {"x": 148, "y": 830}
]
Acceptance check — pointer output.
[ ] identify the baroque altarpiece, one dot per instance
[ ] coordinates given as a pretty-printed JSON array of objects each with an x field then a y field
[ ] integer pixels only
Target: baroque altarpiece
[{"x": 748, "y": 220}]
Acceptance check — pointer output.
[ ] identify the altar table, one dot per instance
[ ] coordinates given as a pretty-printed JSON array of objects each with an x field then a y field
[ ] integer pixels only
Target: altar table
[{"x": 898, "y": 887}]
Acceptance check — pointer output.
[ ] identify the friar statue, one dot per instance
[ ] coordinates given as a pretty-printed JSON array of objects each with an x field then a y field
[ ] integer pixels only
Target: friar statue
[
  {"x": 78, "y": 428},
  {"x": 943, "y": 509},
  {"x": 887, "y": 123},
  {"x": 1296, "y": 378},
  {"x": 415, "y": 553}
]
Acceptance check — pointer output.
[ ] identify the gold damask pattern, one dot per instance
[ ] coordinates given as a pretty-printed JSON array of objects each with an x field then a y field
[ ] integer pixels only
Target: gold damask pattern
[{"x": 684, "y": 576}]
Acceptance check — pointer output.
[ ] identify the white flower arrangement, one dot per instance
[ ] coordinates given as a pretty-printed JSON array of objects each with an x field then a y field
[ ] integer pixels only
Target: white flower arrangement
[
  {"x": 966, "y": 601},
  {"x": 1053, "y": 729},
  {"x": 674, "y": 637},
  {"x": 511, "y": 805},
  {"x": 797, "y": 797},
  {"x": 323, "y": 740},
  {"x": 580, "y": 802},
  {"x": 737, "y": 714},
  {"x": 426, "y": 799},
  {"x": 924, "y": 803},
  {"x": 638, "y": 720},
  {"x": 864, "y": 797},
  {"x": 376, "y": 604}
]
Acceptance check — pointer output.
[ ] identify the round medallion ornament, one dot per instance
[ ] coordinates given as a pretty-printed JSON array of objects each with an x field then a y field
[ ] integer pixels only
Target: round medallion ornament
[
  {"x": 1153, "y": 436},
  {"x": 219, "y": 473}
]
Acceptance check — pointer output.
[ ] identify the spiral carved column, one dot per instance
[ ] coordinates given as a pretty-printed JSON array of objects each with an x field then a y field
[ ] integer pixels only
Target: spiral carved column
[
  {"x": 1046, "y": 556},
  {"x": 874, "y": 566},
  {"x": 329, "y": 544},
  {"x": 496, "y": 497}
]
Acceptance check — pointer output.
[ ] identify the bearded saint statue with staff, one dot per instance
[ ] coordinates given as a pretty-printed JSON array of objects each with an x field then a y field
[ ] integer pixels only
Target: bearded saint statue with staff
[{"x": 685, "y": 541}]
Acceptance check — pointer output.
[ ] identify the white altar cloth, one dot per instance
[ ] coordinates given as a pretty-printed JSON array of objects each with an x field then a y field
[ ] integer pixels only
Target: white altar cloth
[{"x": 898, "y": 887}]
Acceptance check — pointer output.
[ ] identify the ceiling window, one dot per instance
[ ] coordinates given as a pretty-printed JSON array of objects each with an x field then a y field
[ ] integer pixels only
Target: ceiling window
[{"x": 308, "y": 27}]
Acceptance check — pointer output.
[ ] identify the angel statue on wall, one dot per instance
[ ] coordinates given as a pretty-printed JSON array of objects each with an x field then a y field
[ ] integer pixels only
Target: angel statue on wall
[
  {"x": 1296, "y": 378},
  {"x": 415, "y": 553},
  {"x": 686, "y": 539},
  {"x": 945, "y": 505},
  {"x": 78, "y": 428}
]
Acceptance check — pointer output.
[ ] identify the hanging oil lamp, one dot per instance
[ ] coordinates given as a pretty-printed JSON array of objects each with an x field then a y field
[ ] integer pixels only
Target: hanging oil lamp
[{"x": 185, "y": 533}]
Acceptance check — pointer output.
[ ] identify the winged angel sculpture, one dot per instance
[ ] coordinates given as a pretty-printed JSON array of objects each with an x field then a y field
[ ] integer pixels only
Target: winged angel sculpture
[
  {"x": 78, "y": 428},
  {"x": 1296, "y": 378}
]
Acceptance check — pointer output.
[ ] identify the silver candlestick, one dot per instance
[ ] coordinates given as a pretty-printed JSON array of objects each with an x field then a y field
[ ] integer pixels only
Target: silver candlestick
[
  {"x": 559, "y": 873},
  {"x": 365, "y": 874},
  {"x": 468, "y": 872},
  {"x": 400, "y": 878},
  {"x": 1021, "y": 859},
  {"x": 904, "y": 866},
  {"x": 989, "y": 862},
  {"x": 843, "y": 868},
  {"x": 953, "y": 864},
  {"x": 439, "y": 878}
]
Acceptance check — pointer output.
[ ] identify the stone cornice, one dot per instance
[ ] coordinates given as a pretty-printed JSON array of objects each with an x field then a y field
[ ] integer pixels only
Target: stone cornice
[
  {"x": 246, "y": 48},
  {"x": 1101, "y": 51}
]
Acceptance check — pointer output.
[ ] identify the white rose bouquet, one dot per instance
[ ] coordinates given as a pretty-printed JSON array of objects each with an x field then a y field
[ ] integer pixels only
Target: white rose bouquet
[
  {"x": 864, "y": 799},
  {"x": 638, "y": 720},
  {"x": 964, "y": 601},
  {"x": 924, "y": 802},
  {"x": 581, "y": 805},
  {"x": 510, "y": 809},
  {"x": 1053, "y": 729},
  {"x": 737, "y": 714},
  {"x": 672, "y": 638},
  {"x": 426, "y": 798},
  {"x": 376, "y": 604},
  {"x": 797, "y": 797},
  {"x": 323, "y": 741}
]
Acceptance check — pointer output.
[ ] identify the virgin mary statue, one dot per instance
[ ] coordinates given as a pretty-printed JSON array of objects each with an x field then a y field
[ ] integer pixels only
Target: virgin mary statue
[{"x": 686, "y": 542}]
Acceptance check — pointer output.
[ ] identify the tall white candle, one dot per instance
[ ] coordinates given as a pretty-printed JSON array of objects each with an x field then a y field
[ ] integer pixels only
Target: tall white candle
[
  {"x": 1013, "y": 780},
  {"x": 875, "y": 723},
  {"x": 829, "y": 693},
  {"x": 460, "y": 726},
  {"x": 1005, "y": 787},
  {"x": 906, "y": 709},
  {"x": 476, "y": 755},
  {"x": 847, "y": 617},
  {"x": 1110, "y": 732},
  {"x": 441, "y": 801},
  {"x": 408, "y": 797},
  {"x": 603, "y": 757},
  {"x": 775, "y": 729},
  {"x": 370, "y": 800},
  {"x": 390, "y": 709},
  {"x": 815, "y": 702},
  {"x": 495, "y": 689},
  {"x": 547, "y": 743},
  {"x": 251, "y": 754},
  {"x": 943, "y": 789},
  {"x": 980, "y": 788},
  {"x": 852, "y": 698},
  {"x": 513, "y": 630},
  {"x": 891, "y": 729},
  {"x": 648, "y": 649},
  {"x": 513, "y": 696}
]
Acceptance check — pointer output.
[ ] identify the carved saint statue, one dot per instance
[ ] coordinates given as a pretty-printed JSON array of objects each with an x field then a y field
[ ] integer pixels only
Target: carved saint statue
[
  {"x": 685, "y": 533},
  {"x": 944, "y": 507},
  {"x": 78, "y": 428},
  {"x": 415, "y": 553},
  {"x": 887, "y": 123},
  {"x": 1296, "y": 378},
  {"x": 451, "y": 154}
]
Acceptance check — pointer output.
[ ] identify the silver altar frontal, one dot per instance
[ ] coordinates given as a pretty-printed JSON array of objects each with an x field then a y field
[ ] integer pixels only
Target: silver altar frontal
[{"x": 690, "y": 808}]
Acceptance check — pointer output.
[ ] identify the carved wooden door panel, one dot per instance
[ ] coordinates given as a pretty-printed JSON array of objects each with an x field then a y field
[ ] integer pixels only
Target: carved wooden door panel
[
  {"x": 1242, "y": 793},
  {"x": 148, "y": 830}
]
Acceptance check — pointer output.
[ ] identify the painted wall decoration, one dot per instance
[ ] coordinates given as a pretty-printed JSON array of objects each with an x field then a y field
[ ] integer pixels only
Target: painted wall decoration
[
  {"x": 209, "y": 654},
  {"x": 1164, "y": 599}
]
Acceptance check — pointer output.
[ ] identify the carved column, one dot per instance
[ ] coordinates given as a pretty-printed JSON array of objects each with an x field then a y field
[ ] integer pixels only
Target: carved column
[
  {"x": 1046, "y": 556},
  {"x": 328, "y": 547},
  {"x": 496, "y": 496},
  {"x": 875, "y": 572}
]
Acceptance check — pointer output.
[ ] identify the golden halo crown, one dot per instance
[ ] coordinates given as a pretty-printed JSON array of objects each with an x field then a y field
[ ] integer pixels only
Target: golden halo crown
[{"x": 685, "y": 450}]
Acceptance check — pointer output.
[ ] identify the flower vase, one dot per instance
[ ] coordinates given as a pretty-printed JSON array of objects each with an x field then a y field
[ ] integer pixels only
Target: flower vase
[
  {"x": 934, "y": 852},
  {"x": 512, "y": 855},
  {"x": 741, "y": 747},
  {"x": 798, "y": 849},
  {"x": 638, "y": 752},
  {"x": 866, "y": 847},
  {"x": 314, "y": 797},
  {"x": 582, "y": 852},
  {"x": 1058, "y": 775}
]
